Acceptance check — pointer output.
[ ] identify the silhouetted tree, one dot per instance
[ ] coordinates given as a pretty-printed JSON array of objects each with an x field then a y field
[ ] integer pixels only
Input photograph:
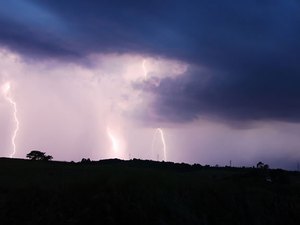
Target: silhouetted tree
[
  {"x": 84, "y": 160},
  {"x": 37, "y": 155},
  {"x": 48, "y": 158},
  {"x": 266, "y": 166},
  {"x": 260, "y": 165}
]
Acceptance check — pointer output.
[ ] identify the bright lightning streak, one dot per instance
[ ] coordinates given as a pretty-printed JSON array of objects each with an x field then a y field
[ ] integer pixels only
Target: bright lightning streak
[
  {"x": 7, "y": 94},
  {"x": 158, "y": 130},
  {"x": 114, "y": 140},
  {"x": 163, "y": 141},
  {"x": 162, "y": 135}
]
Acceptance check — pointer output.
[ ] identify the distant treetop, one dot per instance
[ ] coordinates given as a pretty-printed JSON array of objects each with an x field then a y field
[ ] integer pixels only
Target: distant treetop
[{"x": 38, "y": 155}]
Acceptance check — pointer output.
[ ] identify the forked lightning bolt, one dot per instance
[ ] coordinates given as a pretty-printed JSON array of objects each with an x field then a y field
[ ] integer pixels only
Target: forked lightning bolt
[{"x": 7, "y": 94}]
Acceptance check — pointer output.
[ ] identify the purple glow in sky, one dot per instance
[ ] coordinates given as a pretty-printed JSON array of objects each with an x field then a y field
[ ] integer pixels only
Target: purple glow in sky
[
  {"x": 73, "y": 111},
  {"x": 179, "y": 81}
]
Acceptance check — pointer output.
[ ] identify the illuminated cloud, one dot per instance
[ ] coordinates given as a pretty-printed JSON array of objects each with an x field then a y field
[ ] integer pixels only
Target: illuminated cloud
[
  {"x": 75, "y": 111},
  {"x": 202, "y": 71}
]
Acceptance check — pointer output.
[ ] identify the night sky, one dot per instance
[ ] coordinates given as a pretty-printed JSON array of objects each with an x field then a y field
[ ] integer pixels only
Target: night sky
[{"x": 206, "y": 81}]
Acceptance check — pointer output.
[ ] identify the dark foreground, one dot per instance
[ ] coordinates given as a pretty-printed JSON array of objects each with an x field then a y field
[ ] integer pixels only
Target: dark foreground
[{"x": 144, "y": 192}]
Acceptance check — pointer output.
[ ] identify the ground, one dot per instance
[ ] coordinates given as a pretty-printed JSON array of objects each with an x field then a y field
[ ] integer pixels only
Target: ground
[{"x": 145, "y": 192}]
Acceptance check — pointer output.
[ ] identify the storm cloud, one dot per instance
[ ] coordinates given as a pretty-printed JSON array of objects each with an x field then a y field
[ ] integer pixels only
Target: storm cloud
[
  {"x": 244, "y": 55},
  {"x": 220, "y": 78}
]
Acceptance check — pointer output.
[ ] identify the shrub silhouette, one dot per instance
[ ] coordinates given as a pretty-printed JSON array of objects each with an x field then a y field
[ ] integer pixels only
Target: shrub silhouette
[
  {"x": 37, "y": 155},
  {"x": 84, "y": 160}
]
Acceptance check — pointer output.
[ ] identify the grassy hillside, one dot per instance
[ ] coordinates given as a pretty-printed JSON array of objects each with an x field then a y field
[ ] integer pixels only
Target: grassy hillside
[{"x": 144, "y": 192}]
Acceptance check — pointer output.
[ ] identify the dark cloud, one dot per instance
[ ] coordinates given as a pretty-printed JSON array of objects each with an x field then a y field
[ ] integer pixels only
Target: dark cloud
[
  {"x": 199, "y": 31},
  {"x": 273, "y": 95},
  {"x": 250, "y": 49}
]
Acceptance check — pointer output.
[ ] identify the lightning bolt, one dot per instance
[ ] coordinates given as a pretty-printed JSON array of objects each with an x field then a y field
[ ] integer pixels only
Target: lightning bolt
[
  {"x": 118, "y": 144},
  {"x": 158, "y": 130},
  {"x": 6, "y": 88},
  {"x": 162, "y": 136},
  {"x": 163, "y": 141},
  {"x": 113, "y": 139}
]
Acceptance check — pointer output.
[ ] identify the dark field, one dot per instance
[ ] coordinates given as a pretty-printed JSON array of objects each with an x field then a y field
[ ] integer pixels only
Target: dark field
[{"x": 145, "y": 192}]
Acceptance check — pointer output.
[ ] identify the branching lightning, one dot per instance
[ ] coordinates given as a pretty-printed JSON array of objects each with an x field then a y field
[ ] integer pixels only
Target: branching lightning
[{"x": 6, "y": 88}]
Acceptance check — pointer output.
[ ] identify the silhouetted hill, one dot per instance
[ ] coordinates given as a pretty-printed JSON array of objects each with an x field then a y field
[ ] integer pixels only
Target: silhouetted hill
[{"x": 119, "y": 192}]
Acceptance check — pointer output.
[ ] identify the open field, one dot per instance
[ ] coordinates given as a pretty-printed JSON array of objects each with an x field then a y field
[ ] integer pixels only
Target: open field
[{"x": 144, "y": 192}]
